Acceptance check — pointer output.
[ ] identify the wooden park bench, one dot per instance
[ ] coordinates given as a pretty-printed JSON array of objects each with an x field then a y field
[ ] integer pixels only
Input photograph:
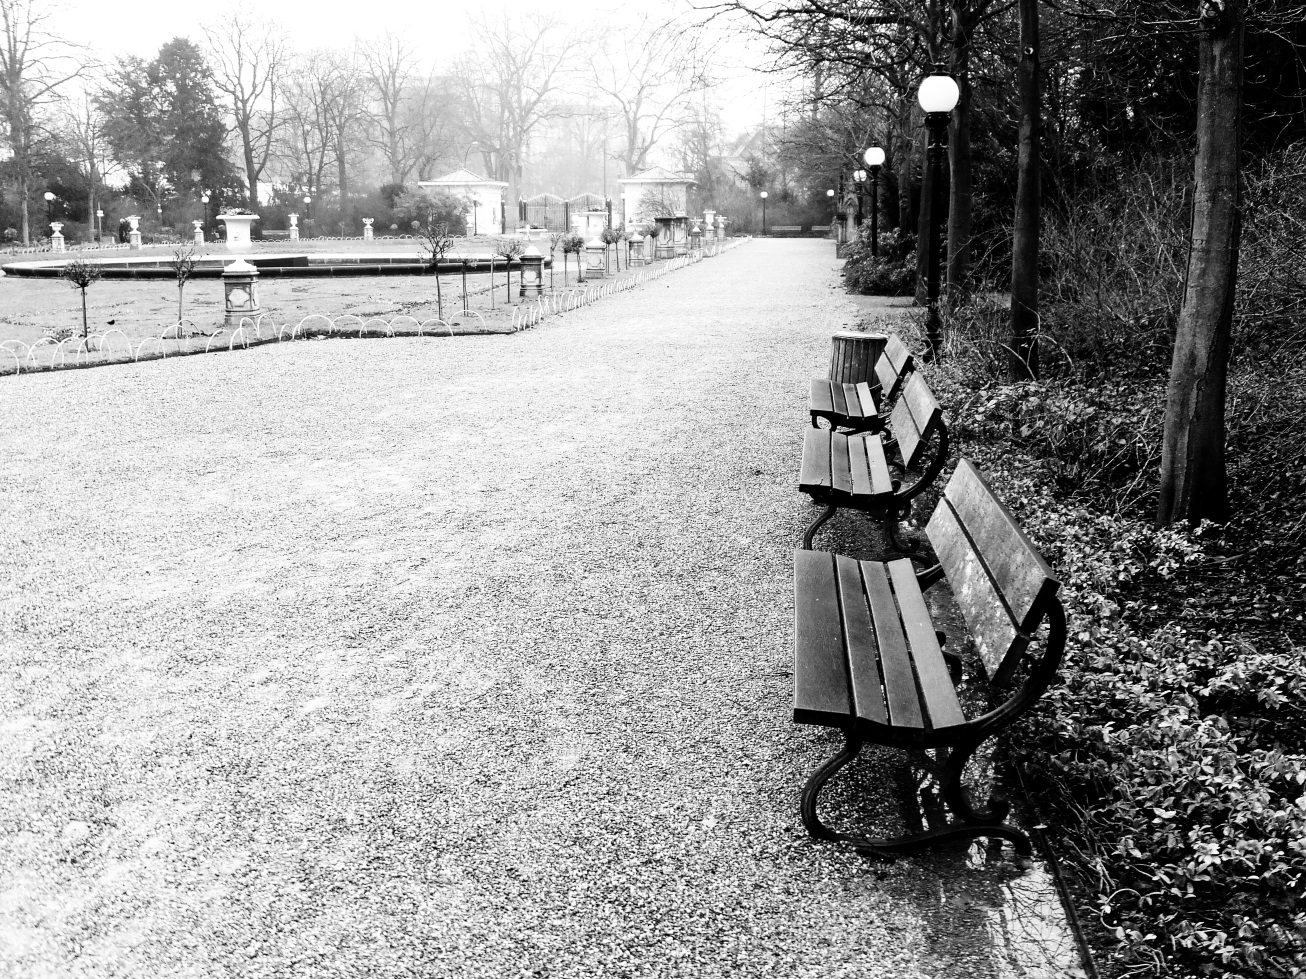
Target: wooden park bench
[
  {"x": 852, "y": 471},
  {"x": 869, "y": 662},
  {"x": 859, "y": 406}
]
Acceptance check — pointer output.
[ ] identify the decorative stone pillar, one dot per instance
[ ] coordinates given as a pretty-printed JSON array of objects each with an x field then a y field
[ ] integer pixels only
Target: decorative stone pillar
[
  {"x": 134, "y": 233},
  {"x": 532, "y": 273},
  {"x": 695, "y": 238},
  {"x": 367, "y": 228},
  {"x": 635, "y": 255},
  {"x": 680, "y": 234},
  {"x": 240, "y": 285},
  {"x": 720, "y": 227},
  {"x": 56, "y": 237},
  {"x": 595, "y": 250},
  {"x": 199, "y": 233},
  {"x": 294, "y": 226}
]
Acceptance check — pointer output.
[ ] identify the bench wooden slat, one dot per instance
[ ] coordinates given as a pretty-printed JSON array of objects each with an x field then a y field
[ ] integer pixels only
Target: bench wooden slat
[
  {"x": 821, "y": 399},
  {"x": 839, "y": 398},
  {"x": 815, "y": 474},
  {"x": 881, "y": 479},
  {"x": 888, "y": 378},
  {"x": 999, "y": 642},
  {"x": 1020, "y": 572},
  {"x": 820, "y": 667},
  {"x": 866, "y": 398},
  {"x": 940, "y": 696},
  {"x": 853, "y": 402},
  {"x": 860, "y": 465},
  {"x": 895, "y": 663},
  {"x": 841, "y": 480},
  {"x": 859, "y": 635}
]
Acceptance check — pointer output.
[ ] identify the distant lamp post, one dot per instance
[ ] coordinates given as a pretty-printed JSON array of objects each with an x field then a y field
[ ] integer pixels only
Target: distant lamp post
[
  {"x": 874, "y": 158},
  {"x": 938, "y": 96},
  {"x": 159, "y": 208},
  {"x": 99, "y": 225},
  {"x": 308, "y": 214},
  {"x": 205, "y": 201},
  {"x": 49, "y": 207},
  {"x": 764, "y": 196},
  {"x": 859, "y": 178}
]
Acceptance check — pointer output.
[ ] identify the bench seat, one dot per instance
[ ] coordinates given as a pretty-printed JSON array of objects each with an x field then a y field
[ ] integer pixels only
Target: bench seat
[{"x": 869, "y": 658}]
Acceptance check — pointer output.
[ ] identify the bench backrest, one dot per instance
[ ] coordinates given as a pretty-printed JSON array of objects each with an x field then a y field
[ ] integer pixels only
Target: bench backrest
[
  {"x": 914, "y": 419},
  {"x": 999, "y": 580},
  {"x": 892, "y": 367}
]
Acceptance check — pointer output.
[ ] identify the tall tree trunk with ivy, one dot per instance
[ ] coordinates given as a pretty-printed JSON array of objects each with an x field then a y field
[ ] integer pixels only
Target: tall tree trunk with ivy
[
  {"x": 1022, "y": 359},
  {"x": 959, "y": 156},
  {"x": 1194, "y": 484}
]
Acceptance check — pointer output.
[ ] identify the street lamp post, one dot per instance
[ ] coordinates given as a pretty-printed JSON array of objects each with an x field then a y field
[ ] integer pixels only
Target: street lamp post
[
  {"x": 99, "y": 225},
  {"x": 834, "y": 215},
  {"x": 204, "y": 199},
  {"x": 764, "y": 195},
  {"x": 49, "y": 207},
  {"x": 938, "y": 96},
  {"x": 308, "y": 214},
  {"x": 874, "y": 158},
  {"x": 859, "y": 178}
]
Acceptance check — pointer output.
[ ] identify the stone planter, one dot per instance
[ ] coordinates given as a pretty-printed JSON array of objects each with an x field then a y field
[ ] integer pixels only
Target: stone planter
[{"x": 237, "y": 227}]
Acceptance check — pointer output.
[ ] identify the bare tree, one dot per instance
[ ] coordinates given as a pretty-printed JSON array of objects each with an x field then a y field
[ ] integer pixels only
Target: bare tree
[
  {"x": 249, "y": 57},
  {"x": 510, "y": 86},
  {"x": 34, "y": 64},
  {"x": 389, "y": 67},
  {"x": 649, "y": 74},
  {"x": 81, "y": 127},
  {"x": 305, "y": 141},
  {"x": 345, "y": 115}
]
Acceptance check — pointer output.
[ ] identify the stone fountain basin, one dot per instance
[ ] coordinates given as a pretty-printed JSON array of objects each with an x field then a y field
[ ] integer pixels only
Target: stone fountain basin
[{"x": 287, "y": 265}]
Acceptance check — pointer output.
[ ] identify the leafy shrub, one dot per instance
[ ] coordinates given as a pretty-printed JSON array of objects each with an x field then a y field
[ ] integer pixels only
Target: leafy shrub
[
  {"x": 432, "y": 208},
  {"x": 11, "y": 234},
  {"x": 869, "y": 275}
]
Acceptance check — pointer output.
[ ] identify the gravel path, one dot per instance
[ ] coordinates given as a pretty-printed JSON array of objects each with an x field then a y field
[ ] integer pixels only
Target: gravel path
[{"x": 469, "y": 658}]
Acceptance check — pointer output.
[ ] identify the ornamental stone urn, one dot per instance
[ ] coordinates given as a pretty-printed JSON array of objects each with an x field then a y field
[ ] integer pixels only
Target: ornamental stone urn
[
  {"x": 237, "y": 225},
  {"x": 56, "y": 237},
  {"x": 367, "y": 228},
  {"x": 294, "y": 226},
  {"x": 199, "y": 233},
  {"x": 134, "y": 231}
]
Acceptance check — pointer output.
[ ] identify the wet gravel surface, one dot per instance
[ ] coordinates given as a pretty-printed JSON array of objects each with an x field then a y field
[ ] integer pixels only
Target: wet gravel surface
[{"x": 468, "y": 658}]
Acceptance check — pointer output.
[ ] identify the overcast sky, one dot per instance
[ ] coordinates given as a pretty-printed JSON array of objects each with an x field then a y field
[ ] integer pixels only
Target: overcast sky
[{"x": 139, "y": 27}]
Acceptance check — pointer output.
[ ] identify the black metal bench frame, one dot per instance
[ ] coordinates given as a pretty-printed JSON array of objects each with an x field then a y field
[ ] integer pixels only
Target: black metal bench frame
[{"x": 1006, "y": 593}]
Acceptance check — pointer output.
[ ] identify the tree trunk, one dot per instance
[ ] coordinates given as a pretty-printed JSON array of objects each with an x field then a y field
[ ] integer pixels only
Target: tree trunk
[
  {"x": 251, "y": 171},
  {"x": 1022, "y": 360},
  {"x": 959, "y": 159},
  {"x": 904, "y": 163},
  {"x": 1193, "y": 478}
]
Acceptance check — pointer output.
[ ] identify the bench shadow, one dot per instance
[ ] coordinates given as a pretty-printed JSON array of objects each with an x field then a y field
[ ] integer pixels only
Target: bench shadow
[{"x": 984, "y": 912}]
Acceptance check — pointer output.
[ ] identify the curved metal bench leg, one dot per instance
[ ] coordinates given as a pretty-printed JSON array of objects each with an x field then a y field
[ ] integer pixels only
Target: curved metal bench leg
[
  {"x": 816, "y": 525},
  {"x": 891, "y": 531},
  {"x": 958, "y": 800},
  {"x": 888, "y": 849}
]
